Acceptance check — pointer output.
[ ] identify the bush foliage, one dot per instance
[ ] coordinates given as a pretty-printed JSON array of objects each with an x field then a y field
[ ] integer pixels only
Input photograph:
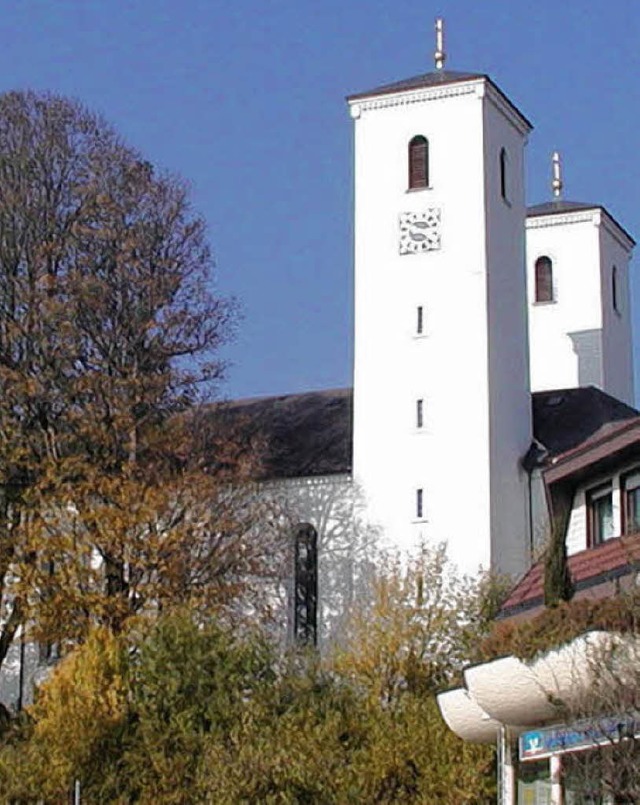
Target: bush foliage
[{"x": 186, "y": 712}]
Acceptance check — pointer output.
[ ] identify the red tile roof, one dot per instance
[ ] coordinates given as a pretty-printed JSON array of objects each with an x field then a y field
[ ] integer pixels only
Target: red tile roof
[{"x": 614, "y": 558}]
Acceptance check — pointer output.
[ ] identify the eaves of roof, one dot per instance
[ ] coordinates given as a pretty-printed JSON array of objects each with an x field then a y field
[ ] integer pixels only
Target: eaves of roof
[
  {"x": 590, "y": 568},
  {"x": 561, "y": 207},
  {"x": 612, "y": 443},
  {"x": 436, "y": 78}
]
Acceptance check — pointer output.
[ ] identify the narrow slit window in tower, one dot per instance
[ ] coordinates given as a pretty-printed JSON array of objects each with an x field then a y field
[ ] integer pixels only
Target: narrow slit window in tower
[
  {"x": 419, "y": 504},
  {"x": 504, "y": 166},
  {"x": 614, "y": 290}
]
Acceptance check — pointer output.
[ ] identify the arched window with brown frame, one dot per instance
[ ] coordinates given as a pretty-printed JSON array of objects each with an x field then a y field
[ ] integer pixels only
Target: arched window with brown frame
[
  {"x": 544, "y": 279},
  {"x": 418, "y": 162}
]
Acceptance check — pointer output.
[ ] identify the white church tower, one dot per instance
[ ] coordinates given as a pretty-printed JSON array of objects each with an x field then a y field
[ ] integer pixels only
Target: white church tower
[
  {"x": 442, "y": 409},
  {"x": 579, "y": 303}
]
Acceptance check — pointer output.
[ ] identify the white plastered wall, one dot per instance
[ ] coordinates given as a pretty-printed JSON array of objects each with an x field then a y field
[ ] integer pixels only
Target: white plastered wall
[
  {"x": 508, "y": 350},
  {"x": 475, "y": 424},
  {"x": 617, "y": 338},
  {"x": 577, "y": 339},
  {"x": 346, "y": 545}
]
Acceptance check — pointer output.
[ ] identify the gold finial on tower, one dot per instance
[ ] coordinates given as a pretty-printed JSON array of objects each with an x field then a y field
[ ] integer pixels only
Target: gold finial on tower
[
  {"x": 556, "y": 184},
  {"x": 439, "y": 55}
]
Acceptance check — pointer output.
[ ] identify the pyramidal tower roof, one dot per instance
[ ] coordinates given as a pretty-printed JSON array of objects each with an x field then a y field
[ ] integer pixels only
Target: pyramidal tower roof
[
  {"x": 435, "y": 79},
  {"x": 561, "y": 206}
]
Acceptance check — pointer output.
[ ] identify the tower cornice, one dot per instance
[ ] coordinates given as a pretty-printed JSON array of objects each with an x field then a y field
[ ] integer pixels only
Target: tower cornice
[
  {"x": 597, "y": 215},
  {"x": 411, "y": 92}
]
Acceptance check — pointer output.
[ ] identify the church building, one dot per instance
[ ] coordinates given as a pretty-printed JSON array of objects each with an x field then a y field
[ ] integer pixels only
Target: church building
[{"x": 490, "y": 339}]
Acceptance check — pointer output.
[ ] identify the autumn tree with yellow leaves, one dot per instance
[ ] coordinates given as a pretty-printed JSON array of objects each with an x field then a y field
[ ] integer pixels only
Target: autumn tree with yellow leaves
[
  {"x": 185, "y": 711},
  {"x": 114, "y": 497}
]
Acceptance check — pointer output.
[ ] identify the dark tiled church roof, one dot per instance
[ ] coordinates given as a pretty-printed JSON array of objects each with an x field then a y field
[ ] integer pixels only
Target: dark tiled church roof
[
  {"x": 310, "y": 434},
  {"x": 565, "y": 418},
  {"x": 302, "y": 434}
]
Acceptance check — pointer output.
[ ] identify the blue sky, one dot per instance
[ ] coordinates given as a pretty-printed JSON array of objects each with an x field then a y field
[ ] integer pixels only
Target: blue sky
[{"x": 245, "y": 99}]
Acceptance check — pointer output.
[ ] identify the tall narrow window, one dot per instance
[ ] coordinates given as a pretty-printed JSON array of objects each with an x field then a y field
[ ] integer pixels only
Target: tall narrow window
[
  {"x": 599, "y": 515},
  {"x": 419, "y": 413},
  {"x": 614, "y": 289},
  {"x": 631, "y": 503},
  {"x": 305, "y": 604},
  {"x": 418, "y": 162},
  {"x": 544, "y": 280},
  {"x": 504, "y": 165},
  {"x": 419, "y": 504},
  {"x": 419, "y": 320}
]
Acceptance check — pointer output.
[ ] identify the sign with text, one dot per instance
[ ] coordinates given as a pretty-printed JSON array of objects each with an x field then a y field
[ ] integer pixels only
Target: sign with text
[{"x": 541, "y": 743}]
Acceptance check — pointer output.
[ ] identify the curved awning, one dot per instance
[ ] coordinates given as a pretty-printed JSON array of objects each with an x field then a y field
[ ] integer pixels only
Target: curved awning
[
  {"x": 513, "y": 693},
  {"x": 466, "y": 718}
]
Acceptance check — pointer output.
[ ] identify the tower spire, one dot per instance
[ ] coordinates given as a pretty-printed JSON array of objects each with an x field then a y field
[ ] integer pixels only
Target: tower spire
[
  {"x": 556, "y": 184},
  {"x": 439, "y": 55}
]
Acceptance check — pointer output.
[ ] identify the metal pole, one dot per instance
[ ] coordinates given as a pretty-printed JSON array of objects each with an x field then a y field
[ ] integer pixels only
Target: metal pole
[
  {"x": 506, "y": 776},
  {"x": 555, "y": 769},
  {"x": 20, "y": 701}
]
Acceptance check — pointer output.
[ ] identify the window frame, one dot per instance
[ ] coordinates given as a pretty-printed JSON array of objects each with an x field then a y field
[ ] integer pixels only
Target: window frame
[
  {"x": 544, "y": 281},
  {"x": 615, "y": 296},
  {"x": 305, "y": 585},
  {"x": 598, "y": 493},
  {"x": 625, "y": 507},
  {"x": 420, "y": 503},
  {"x": 418, "y": 163},
  {"x": 503, "y": 161}
]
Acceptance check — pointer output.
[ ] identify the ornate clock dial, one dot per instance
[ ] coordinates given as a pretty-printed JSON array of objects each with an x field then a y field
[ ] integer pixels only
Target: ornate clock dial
[{"x": 419, "y": 231}]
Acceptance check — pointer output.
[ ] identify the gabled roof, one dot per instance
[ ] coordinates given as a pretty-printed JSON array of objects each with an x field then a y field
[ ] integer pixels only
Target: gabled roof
[
  {"x": 566, "y": 418},
  {"x": 302, "y": 435},
  {"x": 589, "y": 569}
]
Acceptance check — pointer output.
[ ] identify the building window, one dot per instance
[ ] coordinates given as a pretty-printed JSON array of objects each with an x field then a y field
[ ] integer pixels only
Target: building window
[
  {"x": 418, "y": 162},
  {"x": 544, "y": 279},
  {"x": 504, "y": 166},
  {"x": 614, "y": 289},
  {"x": 631, "y": 502},
  {"x": 599, "y": 515},
  {"x": 419, "y": 413},
  {"x": 419, "y": 504},
  {"x": 305, "y": 604},
  {"x": 420, "y": 320}
]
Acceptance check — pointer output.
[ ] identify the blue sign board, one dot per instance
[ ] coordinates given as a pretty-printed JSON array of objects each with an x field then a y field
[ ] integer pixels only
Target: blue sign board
[{"x": 541, "y": 743}]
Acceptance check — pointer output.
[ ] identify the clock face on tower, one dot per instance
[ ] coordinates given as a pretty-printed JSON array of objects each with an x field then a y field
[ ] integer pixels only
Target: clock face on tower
[{"x": 419, "y": 231}]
